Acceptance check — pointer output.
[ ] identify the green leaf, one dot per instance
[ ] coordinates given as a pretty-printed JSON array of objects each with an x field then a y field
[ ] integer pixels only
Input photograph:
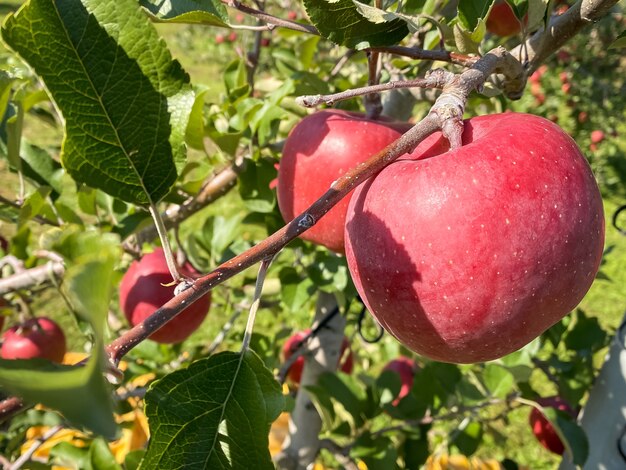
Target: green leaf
[
  {"x": 76, "y": 391},
  {"x": 254, "y": 186},
  {"x": 101, "y": 457},
  {"x": 14, "y": 123},
  {"x": 6, "y": 82},
  {"x": 207, "y": 12},
  {"x": 39, "y": 166},
  {"x": 470, "y": 12},
  {"x": 214, "y": 414},
  {"x": 295, "y": 291},
  {"x": 125, "y": 101},
  {"x": 520, "y": 7},
  {"x": 194, "y": 136},
  {"x": 498, "y": 380},
  {"x": 377, "y": 453},
  {"x": 619, "y": 42},
  {"x": 572, "y": 435},
  {"x": 34, "y": 205},
  {"x": 344, "y": 22},
  {"x": 468, "y": 438},
  {"x": 79, "y": 392}
]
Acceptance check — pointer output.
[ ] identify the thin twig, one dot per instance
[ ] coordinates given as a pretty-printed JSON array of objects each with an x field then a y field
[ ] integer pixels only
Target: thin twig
[
  {"x": 32, "y": 277},
  {"x": 271, "y": 19},
  {"x": 310, "y": 101},
  {"x": 25, "y": 457}
]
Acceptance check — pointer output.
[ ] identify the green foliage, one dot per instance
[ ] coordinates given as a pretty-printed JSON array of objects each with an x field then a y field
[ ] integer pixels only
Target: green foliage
[
  {"x": 215, "y": 414},
  {"x": 353, "y": 24},
  {"x": 110, "y": 89},
  {"x": 208, "y": 12}
]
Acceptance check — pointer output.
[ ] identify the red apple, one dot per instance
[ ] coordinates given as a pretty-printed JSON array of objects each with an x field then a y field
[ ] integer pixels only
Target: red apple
[
  {"x": 292, "y": 15},
  {"x": 405, "y": 368},
  {"x": 37, "y": 337},
  {"x": 501, "y": 20},
  {"x": 293, "y": 343},
  {"x": 467, "y": 255},
  {"x": 541, "y": 427},
  {"x": 4, "y": 244},
  {"x": 220, "y": 38},
  {"x": 597, "y": 136},
  {"x": 232, "y": 37},
  {"x": 321, "y": 148},
  {"x": 142, "y": 291}
]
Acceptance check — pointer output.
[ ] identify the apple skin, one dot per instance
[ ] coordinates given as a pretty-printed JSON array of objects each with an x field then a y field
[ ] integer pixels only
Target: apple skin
[
  {"x": 35, "y": 338},
  {"x": 318, "y": 150},
  {"x": 405, "y": 367},
  {"x": 468, "y": 255},
  {"x": 541, "y": 427},
  {"x": 295, "y": 371},
  {"x": 142, "y": 292},
  {"x": 502, "y": 21}
]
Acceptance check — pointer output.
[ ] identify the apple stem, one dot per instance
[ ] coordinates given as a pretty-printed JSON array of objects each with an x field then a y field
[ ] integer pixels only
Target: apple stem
[
  {"x": 258, "y": 288},
  {"x": 167, "y": 248}
]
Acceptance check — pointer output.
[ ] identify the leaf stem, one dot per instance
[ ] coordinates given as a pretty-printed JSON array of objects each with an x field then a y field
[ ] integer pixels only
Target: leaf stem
[
  {"x": 260, "y": 280},
  {"x": 167, "y": 248}
]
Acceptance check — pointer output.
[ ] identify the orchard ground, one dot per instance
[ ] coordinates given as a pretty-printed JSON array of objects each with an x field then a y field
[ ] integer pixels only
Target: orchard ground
[{"x": 596, "y": 92}]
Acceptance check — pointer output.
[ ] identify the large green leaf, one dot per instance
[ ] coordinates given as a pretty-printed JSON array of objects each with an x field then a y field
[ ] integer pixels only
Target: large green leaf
[
  {"x": 215, "y": 414},
  {"x": 209, "y": 12},
  {"x": 79, "y": 392},
  {"x": 125, "y": 101},
  {"x": 355, "y": 25}
]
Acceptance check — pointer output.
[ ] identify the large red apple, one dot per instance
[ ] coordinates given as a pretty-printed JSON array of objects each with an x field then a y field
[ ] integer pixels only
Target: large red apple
[
  {"x": 321, "y": 148},
  {"x": 469, "y": 254},
  {"x": 293, "y": 343},
  {"x": 36, "y": 337},
  {"x": 502, "y": 21},
  {"x": 142, "y": 292},
  {"x": 541, "y": 427},
  {"x": 405, "y": 368}
]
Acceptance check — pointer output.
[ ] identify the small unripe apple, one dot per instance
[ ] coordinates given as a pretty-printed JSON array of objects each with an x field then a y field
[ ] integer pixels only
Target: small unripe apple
[
  {"x": 541, "y": 427},
  {"x": 405, "y": 367},
  {"x": 143, "y": 291},
  {"x": 502, "y": 21},
  {"x": 319, "y": 149},
  {"x": 35, "y": 338},
  {"x": 293, "y": 343},
  {"x": 466, "y": 255}
]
